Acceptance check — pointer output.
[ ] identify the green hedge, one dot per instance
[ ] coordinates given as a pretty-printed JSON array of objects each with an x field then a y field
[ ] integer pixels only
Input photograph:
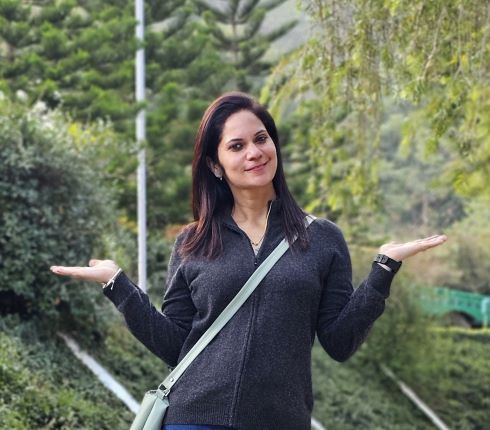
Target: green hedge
[{"x": 53, "y": 211}]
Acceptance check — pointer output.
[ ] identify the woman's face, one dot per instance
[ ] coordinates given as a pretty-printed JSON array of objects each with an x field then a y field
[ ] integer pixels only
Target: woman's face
[{"x": 246, "y": 152}]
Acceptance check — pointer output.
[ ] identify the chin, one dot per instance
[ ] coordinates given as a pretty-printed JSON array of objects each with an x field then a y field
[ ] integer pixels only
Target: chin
[{"x": 260, "y": 183}]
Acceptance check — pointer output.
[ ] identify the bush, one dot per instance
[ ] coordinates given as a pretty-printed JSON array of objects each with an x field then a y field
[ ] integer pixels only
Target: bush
[
  {"x": 54, "y": 209},
  {"x": 42, "y": 385},
  {"x": 454, "y": 378}
]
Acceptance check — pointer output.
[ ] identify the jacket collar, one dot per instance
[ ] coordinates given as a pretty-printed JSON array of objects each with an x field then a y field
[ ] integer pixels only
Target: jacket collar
[{"x": 275, "y": 204}]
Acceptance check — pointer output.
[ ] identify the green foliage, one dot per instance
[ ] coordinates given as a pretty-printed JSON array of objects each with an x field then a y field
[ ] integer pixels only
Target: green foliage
[
  {"x": 129, "y": 361},
  {"x": 356, "y": 394},
  {"x": 453, "y": 377},
  {"x": 79, "y": 56},
  {"x": 468, "y": 253},
  {"x": 42, "y": 385},
  {"x": 239, "y": 36},
  {"x": 401, "y": 339},
  {"x": 54, "y": 210},
  {"x": 173, "y": 118},
  {"x": 75, "y": 54},
  {"x": 425, "y": 202},
  {"x": 446, "y": 368},
  {"x": 331, "y": 177},
  {"x": 434, "y": 56}
]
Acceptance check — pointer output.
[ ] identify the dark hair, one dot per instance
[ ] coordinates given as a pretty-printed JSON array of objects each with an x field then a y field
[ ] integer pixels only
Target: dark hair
[{"x": 212, "y": 199}]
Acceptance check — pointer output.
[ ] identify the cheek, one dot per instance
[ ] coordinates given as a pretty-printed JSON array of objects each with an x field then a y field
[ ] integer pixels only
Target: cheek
[
  {"x": 272, "y": 153},
  {"x": 229, "y": 162}
]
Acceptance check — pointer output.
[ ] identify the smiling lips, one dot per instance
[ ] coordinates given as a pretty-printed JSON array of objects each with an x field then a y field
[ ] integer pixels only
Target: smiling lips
[{"x": 256, "y": 167}]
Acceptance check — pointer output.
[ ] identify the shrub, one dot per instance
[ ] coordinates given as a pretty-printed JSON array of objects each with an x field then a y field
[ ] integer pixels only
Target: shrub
[
  {"x": 53, "y": 210},
  {"x": 42, "y": 385}
]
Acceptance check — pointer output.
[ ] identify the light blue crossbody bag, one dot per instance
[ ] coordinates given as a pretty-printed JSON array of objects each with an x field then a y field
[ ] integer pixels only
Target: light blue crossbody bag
[{"x": 155, "y": 402}]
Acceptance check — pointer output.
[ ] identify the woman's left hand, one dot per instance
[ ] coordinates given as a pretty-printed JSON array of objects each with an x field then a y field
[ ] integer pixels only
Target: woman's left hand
[{"x": 401, "y": 251}]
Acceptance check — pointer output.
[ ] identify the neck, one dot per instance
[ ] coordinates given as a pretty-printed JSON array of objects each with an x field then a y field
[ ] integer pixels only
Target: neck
[{"x": 251, "y": 206}]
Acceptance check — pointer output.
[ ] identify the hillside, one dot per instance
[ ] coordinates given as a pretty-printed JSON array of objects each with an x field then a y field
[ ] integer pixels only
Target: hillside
[{"x": 45, "y": 387}]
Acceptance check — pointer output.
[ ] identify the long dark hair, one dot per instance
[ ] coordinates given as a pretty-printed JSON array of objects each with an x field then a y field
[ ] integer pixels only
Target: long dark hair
[{"x": 212, "y": 199}]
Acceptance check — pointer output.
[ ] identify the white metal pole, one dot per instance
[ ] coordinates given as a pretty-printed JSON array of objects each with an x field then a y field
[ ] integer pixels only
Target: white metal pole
[{"x": 140, "y": 138}]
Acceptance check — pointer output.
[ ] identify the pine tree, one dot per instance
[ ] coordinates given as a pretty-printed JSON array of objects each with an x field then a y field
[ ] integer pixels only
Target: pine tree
[
  {"x": 77, "y": 56},
  {"x": 237, "y": 32}
]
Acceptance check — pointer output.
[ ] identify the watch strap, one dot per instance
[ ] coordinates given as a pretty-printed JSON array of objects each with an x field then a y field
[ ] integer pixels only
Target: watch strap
[{"x": 387, "y": 261}]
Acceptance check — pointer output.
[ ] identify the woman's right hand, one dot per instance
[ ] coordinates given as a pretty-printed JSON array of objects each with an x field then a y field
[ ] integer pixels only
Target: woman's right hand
[{"x": 97, "y": 271}]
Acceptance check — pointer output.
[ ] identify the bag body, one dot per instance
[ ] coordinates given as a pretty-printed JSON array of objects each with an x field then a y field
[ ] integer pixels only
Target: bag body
[{"x": 151, "y": 412}]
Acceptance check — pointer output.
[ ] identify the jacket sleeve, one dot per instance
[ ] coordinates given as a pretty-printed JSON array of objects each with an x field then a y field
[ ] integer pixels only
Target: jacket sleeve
[
  {"x": 346, "y": 316},
  {"x": 163, "y": 333}
]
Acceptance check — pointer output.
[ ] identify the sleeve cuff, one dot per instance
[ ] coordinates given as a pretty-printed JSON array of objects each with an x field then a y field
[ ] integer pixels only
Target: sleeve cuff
[
  {"x": 120, "y": 290},
  {"x": 380, "y": 279}
]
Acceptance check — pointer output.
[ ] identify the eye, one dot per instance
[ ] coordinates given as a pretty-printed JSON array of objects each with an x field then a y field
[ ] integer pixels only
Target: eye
[
  {"x": 262, "y": 138},
  {"x": 236, "y": 147}
]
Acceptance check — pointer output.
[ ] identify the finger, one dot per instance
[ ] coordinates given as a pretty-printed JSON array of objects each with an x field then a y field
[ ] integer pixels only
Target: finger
[
  {"x": 435, "y": 236},
  {"x": 421, "y": 240},
  {"x": 425, "y": 239},
  {"x": 432, "y": 243},
  {"x": 64, "y": 270},
  {"x": 436, "y": 241},
  {"x": 74, "y": 272}
]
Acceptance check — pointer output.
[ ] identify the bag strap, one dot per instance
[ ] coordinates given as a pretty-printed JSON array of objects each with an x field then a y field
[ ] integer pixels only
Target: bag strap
[{"x": 228, "y": 312}]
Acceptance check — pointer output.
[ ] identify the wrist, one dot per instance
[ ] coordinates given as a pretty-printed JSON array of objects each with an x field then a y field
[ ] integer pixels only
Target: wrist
[
  {"x": 110, "y": 282},
  {"x": 388, "y": 263},
  {"x": 384, "y": 266}
]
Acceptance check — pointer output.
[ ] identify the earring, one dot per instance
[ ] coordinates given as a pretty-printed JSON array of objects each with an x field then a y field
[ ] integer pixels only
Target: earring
[{"x": 218, "y": 175}]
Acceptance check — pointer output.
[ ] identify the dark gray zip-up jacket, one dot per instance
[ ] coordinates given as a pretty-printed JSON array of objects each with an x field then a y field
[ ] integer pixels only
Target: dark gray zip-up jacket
[{"x": 256, "y": 374}]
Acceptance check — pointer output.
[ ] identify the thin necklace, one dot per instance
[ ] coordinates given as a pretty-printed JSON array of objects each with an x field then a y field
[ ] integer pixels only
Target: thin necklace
[{"x": 255, "y": 244}]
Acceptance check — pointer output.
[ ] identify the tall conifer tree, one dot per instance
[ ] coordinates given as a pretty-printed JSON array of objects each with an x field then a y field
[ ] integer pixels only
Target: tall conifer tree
[
  {"x": 238, "y": 33},
  {"x": 79, "y": 56}
]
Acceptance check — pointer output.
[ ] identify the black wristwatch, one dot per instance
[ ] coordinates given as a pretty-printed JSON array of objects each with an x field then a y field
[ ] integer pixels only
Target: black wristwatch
[{"x": 387, "y": 261}]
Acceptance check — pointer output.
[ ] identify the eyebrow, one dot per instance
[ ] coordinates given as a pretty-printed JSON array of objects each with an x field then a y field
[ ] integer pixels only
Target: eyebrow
[{"x": 239, "y": 139}]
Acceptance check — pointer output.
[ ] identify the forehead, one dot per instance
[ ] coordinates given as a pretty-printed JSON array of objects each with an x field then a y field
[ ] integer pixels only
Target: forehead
[{"x": 241, "y": 124}]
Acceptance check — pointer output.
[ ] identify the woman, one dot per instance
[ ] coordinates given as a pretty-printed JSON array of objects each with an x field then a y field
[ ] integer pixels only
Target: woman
[{"x": 256, "y": 374}]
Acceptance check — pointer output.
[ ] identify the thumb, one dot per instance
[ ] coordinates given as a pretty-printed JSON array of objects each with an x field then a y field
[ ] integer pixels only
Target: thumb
[{"x": 93, "y": 262}]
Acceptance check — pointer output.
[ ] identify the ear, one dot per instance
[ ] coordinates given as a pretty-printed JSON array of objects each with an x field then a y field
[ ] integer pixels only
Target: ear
[{"x": 214, "y": 167}]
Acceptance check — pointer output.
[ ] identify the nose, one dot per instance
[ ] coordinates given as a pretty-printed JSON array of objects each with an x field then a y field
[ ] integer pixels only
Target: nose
[{"x": 253, "y": 152}]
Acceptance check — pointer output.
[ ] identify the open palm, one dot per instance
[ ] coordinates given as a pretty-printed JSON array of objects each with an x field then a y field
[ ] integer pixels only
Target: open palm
[
  {"x": 402, "y": 251},
  {"x": 103, "y": 270},
  {"x": 97, "y": 271}
]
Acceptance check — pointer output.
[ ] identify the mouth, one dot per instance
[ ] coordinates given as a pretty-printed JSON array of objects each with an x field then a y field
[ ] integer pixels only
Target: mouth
[{"x": 256, "y": 167}]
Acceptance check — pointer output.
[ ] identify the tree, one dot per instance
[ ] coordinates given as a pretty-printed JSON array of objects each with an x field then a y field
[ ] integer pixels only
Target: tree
[
  {"x": 238, "y": 34},
  {"x": 185, "y": 73},
  {"x": 433, "y": 56},
  {"x": 79, "y": 56},
  {"x": 74, "y": 55}
]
